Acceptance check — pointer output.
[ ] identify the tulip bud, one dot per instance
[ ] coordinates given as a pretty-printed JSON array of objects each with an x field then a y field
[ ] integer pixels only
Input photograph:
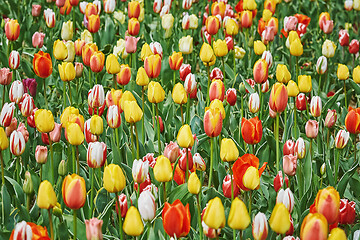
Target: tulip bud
[
  {"x": 278, "y": 181},
  {"x": 315, "y": 106},
  {"x": 17, "y": 143},
  {"x": 46, "y": 197},
  {"x": 323, "y": 169},
  {"x": 16, "y": 91},
  {"x": 93, "y": 228},
  {"x": 239, "y": 218},
  {"x": 259, "y": 47},
  {"x": 280, "y": 219},
  {"x": 96, "y": 154},
  {"x": 342, "y": 72},
  {"x": 6, "y": 114},
  {"x": 184, "y": 137},
  {"x": 328, "y": 48},
  {"x": 289, "y": 147},
  {"x": 147, "y": 205},
  {"x": 321, "y": 65},
  {"x": 282, "y": 73},
  {"x": 207, "y": 55},
  {"x": 194, "y": 185},
  {"x": 62, "y": 170},
  {"x": 254, "y": 102},
  {"x": 186, "y": 45},
  {"x": 341, "y": 139},
  {"x": 162, "y": 169},
  {"x": 327, "y": 203},
  {"x": 199, "y": 162},
  {"x": 41, "y": 153},
  {"x": 260, "y": 71},
  {"x": 337, "y": 234},
  {"x": 289, "y": 164},
  {"x": 354, "y": 46},
  {"x": 304, "y": 83},
  {"x": 28, "y": 184},
  {"x": 172, "y": 151},
  {"x": 214, "y": 215},
  {"x": 312, "y": 128},
  {"x": 140, "y": 170},
  {"x": 228, "y": 150},
  {"x": 343, "y": 37},
  {"x": 184, "y": 70},
  {"x": 4, "y": 141},
  {"x": 286, "y": 197}
]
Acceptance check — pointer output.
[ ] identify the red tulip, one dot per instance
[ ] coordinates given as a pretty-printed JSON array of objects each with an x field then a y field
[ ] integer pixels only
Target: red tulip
[
  {"x": 7, "y": 113},
  {"x": 184, "y": 70},
  {"x": 352, "y": 121},
  {"x": 301, "y": 102},
  {"x": 231, "y": 96},
  {"x": 347, "y": 212},
  {"x": 183, "y": 159},
  {"x": 213, "y": 122},
  {"x": 278, "y": 97},
  {"x": 344, "y": 37},
  {"x": 216, "y": 73},
  {"x": 42, "y": 64},
  {"x": 176, "y": 219},
  {"x": 289, "y": 147},
  {"x": 354, "y": 46},
  {"x": 226, "y": 187},
  {"x": 133, "y": 26},
  {"x": 133, "y": 9},
  {"x": 123, "y": 205},
  {"x": 251, "y": 130},
  {"x": 278, "y": 181}
]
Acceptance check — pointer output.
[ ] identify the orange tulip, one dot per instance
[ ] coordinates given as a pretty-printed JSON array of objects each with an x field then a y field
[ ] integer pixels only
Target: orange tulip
[
  {"x": 134, "y": 9},
  {"x": 176, "y": 219},
  {"x": 273, "y": 22},
  {"x": 97, "y": 61},
  {"x": 152, "y": 66},
  {"x": 66, "y": 9},
  {"x": 91, "y": 9},
  {"x": 270, "y": 5},
  {"x": 124, "y": 76},
  {"x": 278, "y": 97},
  {"x": 42, "y": 64},
  {"x": 218, "y": 8},
  {"x": 94, "y": 23},
  {"x": 243, "y": 166},
  {"x": 212, "y": 25},
  {"x": 12, "y": 30},
  {"x": 260, "y": 71},
  {"x": 79, "y": 44},
  {"x": 251, "y": 130},
  {"x": 246, "y": 19},
  {"x": 327, "y": 202},
  {"x": 314, "y": 226},
  {"x": 176, "y": 60},
  {"x": 217, "y": 90},
  {"x": 133, "y": 27},
  {"x": 87, "y": 52},
  {"x": 74, "y": 191},
  {"x": 212, "y": 122},
  {"x": 352, "y": 121}
]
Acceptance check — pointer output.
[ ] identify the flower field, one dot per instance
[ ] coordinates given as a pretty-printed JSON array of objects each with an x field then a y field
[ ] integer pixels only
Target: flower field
[{"x": 169, "y": 119}]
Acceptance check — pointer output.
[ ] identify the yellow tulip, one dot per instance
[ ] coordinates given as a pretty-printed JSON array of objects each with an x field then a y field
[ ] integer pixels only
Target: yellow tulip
[
  {"x": 4, "y": 141},
  {"x": 132, "y": 111},
  {"x": 126, "y": 96},
  {"x": 267, "y": 14},
  {"x": 112, "y": 64},
  {"x": 156, "y": 93},
  {"x": 249, "y": 5},
  {"x": 282, "y": 73},
  {"x": 185, "y": 138},
  {"x": 67, "y": 71},
  {"x": 251, "y": 178},
  {"x": 163, "y": 169},
  {"x": 96, "y": 125},
  {"x": 194, "y": 184},
  {"x": 64, "y": 118},
  {"x": 74, "y": 134},
  {"x": 114, "y": 179},
  {"x": 280, "y": 219},
  {"x": 214, "y": 216},
  {"x": 207, "y": 55},
  {"x": 145, "y": 51},
  {"x": 328, "y": 48},
  {"x": 179, "y": 94},
  {"x": 292, "y": 36},
  {"x": 133, "y": 225},
  {"x": 67, "y": 30},
  {"x": 239, "y": 218},
  {"x": 142, "y": 78},
  {"x": 44, "y": 121},
  {"x": 216, "y": 103},
  {"x": 228, "y": 150},
  {"x": 296, "y": 48},
  {"x": 356, "y": 74},
  {"x": 342, "y": 72},
  {"x": 337, "y": 234},
  {"x": 46, "y": 198},
  {"x": 292, "y": 89},
  {"x": 304, "y": 83},
  {"x": 239, "y": 52},
  {"x": 60, "y": 51},
  {"x": 259, "y": 47},
  {"x": 220, "y": 48},
  {"x": 231, "y": 27}
]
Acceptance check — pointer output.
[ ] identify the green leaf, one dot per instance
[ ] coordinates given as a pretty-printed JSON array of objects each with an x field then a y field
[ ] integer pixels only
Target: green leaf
[
  {"x": 5, "y": 203},
  {"x": 81, "y": 230},
  {"x": 345, "y": 180}
]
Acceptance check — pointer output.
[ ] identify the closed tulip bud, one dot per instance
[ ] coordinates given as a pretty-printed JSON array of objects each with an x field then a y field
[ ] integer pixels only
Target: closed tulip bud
[
  {"x": 179, "y": 94},
  {"x": 259, "y": 47},
  {"x": 231, "y": 27},
  {"x": 124, "y": 75},
  {"x": 228, "y": 150},
  {"x": 49, "y": 17},
  {"x": 217, "y": 90},
  {"x": 142, "y": 78},
  {"x": 156, "y": 93},
  {"x": 7, "y": 113},
  {"x": 212, "y": 25},
  {"x": 300, "y": 149},
  {"x": 12, "y": 30},
  {"x": 114, "y": 179},
  {"x": 157, "y": 6},
  {"x": 278, "y": 181},
  {"x": 94, "y": 23},
  {"x": 231, "y": 96},
  {"x": 133, "y": 26},
  {"x": 282, "y": 73},
  {"x": 38, "y": 39},
  {"x": 289, "y": 147},
  {"x": 239, "y": 52},
  {"x": 133, "y": 112},
  {"x": 112, "y": 64},
  {"x": 60, "y": 51},
  {"x": 290, "y": 164},
  {"x": 246, "y": 19},
  {"x": 278, "y": 97},
  {"x": 96, "y": 154},
  {"x": 327, "y": 203},
  {"x": 46, "y": 198},
  {"x": 14, "y": 59},
  {"x": 147, "y": 205},
  {"x": 62, "y": 170},
  {"x": 254, "y": 102},
  {"x": 341, "y": 139},
  {"x": 4, "y": 141},
  {"x": 292, "y": 89},
  {"x": 89, "y": 137},
  {"x": 251, "y": 130},
  {"x": 28, "y": 186},
  {"x": 260, "y": 71},
  {"x": 44, "y": 121},
  {"x": 207, "y": 55},
  {"x": 41, "y": 153},
  {"x": 354, "y": 46},
  {"x": 87, "y": 52},
  {"x": 175, "y": 60},
  {"x": 5, "y": 76},
  {"x": 331, "y": 118},
  {"x": 212, "y": 122},
  {"x": 163, "y": 169},
  {"x": 344, "y": 37},
  {"x": 93, "y": 229},
  {"x": 356, "y": 5},
  {"x": 355, "y": 74},
  {"x": 190, "y": 83},
  {"x": 126, "y": 96},
  {"x": 185, "y": 158},
  {"x": 96, "y": 125},
  {"x": 214, "y": 215},
  {"x": 140, "y": 170},
  {"x": 229, "y": 42},
  {"x": 74, "y": 191},
  {"x": 260, "y": 227},
  {"x": 194, "y": 185},
  {"x": 67, "y": 30},
  {"x": 328, "y": 48},
  {"x": 239, "y": 218},
  {"x": 312, "y": 128},
  {"x": 286, "y": 197},
  {"x": 347, "y": 212},
  {"x": 280, "y": 219},
  {"x": 290, "y": 23},
  {"x": 35, "y": 10},
  {"x": 184, "y": 137},
  {"x": 321, "y": 65},
  {"x": 179, "y": 213},
  {"x": 315, "y": 106},
  {"x": 97, "y": 61},
  {"x": 342, "y": 72},
  {"x": 74, "y": 134},
  {"x": 220, "y": 48},
  {"x": 152, "y": 66},
  {"x": 67, "y": 71},
  {"x": 304, "y": 83},
  {"x": 296, "y": 47},
  {"x": 314, "y": 225},
  {"x": 113, "y": 117}
]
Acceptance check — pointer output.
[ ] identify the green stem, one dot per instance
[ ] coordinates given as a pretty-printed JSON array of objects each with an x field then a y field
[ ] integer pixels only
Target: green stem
[
  {"x": 2, "y": 170},
  {"x": 234, "y": 64},
  {"x": 355, "y": 148},
  {"x": 75, "y": 224},
  {"x": 241, "y": 235},
  {"x": 158, "y": 128},
  {"x": 260, "y": 96},
  {"x": 187, "y": 165},
  {"x": 114, "y": 81},
  {"x": 90, "y": 81},
  {"x": 174, "y": 78},
  {"x": 92, "y": 193},
  {"x": 277, "y": 142},
  {"x": 345, "y": 94},
  {"x": 295, "y": 113},
  {"x": 132, "y": 140},
  {"x": 3, "y": 96},
  {"x": 117, "y": 137},
  {"x": 73, "y": 159},
  {"x": 297, "y": 68},
  {"x": 137, "y": 142},
  {"x": 143, "y": 119},
  {"x": 311, "y": 141},
  {"x": 28, "y": 201},
  {"x": 250, "y": 201},
  {"x": 223, "y": 65},
  {"x": 199, "y": 217},
  {"x": 70, "y": 93},
  {"x": 164, "y": 188},
  {"x": 182, "y": 114},
  {"x": 337, "y": 165},
  {"x": 18, "y": 170},
  {"x": 211, "y": 161},
  {"x": 319, "y": 85},
  {"x": 51, "y": 225},
  {"x": 64, "y": 95},
  {"x": 188, "y": 110},
  {"x": 40, "y": 172},
  {"x": 77, "y": 160},
  {"x": 46, "y": 103},
  {"x": 208, "y": 86}
]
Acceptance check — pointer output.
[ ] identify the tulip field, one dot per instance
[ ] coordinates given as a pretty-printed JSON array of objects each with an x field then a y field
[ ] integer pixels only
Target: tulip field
[{"x": 169, "y": 119}]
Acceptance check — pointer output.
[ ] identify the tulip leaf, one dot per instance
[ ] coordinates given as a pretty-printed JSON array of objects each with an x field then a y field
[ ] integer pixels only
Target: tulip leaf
[
  {"x": 180, "y": 192},
  {"x": 16, "y": 189},
  {"x": 247, "y": 85},
  {"x": 63, "y": 231},
  {"x": 355, "y": 87},
  {"x": 345, "y": 179},
  {"x": 308, "y": 171},
  {"x": 229, "y": 73},
  {"x": 329, "y": 104},
  {"x": 5, "y": 203},
  {"x": 81, "y": 231}
]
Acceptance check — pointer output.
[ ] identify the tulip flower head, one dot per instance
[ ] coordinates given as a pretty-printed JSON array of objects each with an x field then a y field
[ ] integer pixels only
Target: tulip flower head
[
  {"x": 176, "y": 219},
  {"x": 260, "y": 227},
  {"x": 251, "y": 130}
]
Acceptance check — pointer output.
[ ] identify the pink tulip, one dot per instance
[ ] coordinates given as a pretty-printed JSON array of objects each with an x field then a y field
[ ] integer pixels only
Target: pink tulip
[
  {"x": 11, "y": 127},
  {"x": 331, "y": 118},
  {"x": 289, "y": 164},
  {"x": 290, "y": 23},
  {"x": 41, "y": 153},
  {"x": 38, "y": 39},
  {"x": 312, "y": 129},
  {"x": 328, "y": 26},
  {"x": 172, "y": 151},
  {"x": 21, "y": 128},
  {"x": 5, "y": 76},
  {"x": 289, "y": 147},
  {"x": 60, "y": 3},
  {"x": 130, "y": 44},
  {"x": 36, "y": 10},
  {"x": 55, "y": 134},
  {"x": 93, "y": 229},
  {"x": 79, "y": 67},
  {"x": 268, "y": 34}
]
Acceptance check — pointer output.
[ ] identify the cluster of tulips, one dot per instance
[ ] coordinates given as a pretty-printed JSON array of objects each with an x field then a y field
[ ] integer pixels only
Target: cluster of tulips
[{"x": 166, "y": 119}]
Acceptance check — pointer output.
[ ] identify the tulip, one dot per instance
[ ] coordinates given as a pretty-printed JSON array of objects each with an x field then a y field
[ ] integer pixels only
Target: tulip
[
  {"x": 324, "y": 16},
  {"x": 343, "y": 37},
  {"x": 212, "y": 122},
  {"x": 239, "y": 52},
  {"x": 89, "y": 137},
  {"x": 338, "y": 234},
  {"x": 278, "y": 97},
  {"x": 216, "y": 74},
  {"x": 300, "y": 149},
  {"x": 156, "y": 93},
  {"x": 220, "y": 48},
  {"x": 312, "y": 128},
  {"x": 214, "y": 215},
  {"x": 341, "y": 139},
  {"x": 342, "y": 72},
  {"x": 14, "y": 59},
  {"x": 156, "y": 48},
  {"x": 266, "y": 55},
  {"x": 296, "y": 48},
  {"x": 44, "y": 121},
  {"x": 60, "y": 51},
  {"x": 6, "y": 114},
  {"x": 251, "y": 130},
  {"x": 199, "y": 162},
  {"x": 35, "y": 10},
  {"x": 67, "y": 30},
  {"x": 42, "y": 64},
  {"x": 12, "y": 30},
  {"x": 179, "y": 94},
  {"x": 228, "y": 150},
  {"x": 162, "y": 169},
  {"x": 348, "y": 5},
  {"x": 184, "y": 70},
  {"x": 94, "y": 23},
  {"x": 246, "y": 19},
  {"x": 175, "y": 60},
  {"x": 113, "y": 117},
  {"x": 207, "y": 55},
  {"x": 216, "y": 90},
  {"x": 67, "y": 71},
  {"x": 133, "y": 112},
  {"x": 292, "y": 89},
  {"x": 278, "y": 181},
  {"x": 194, "y": 185},
  {"x": 133, "y": 225},
  {"x": 246, "y": 173},
  {"x": 74, "y": 191},
  {"x": 347, "y": 212},
  {"x": 87, "y": 52},
  {"x": 231, "y": 96},
  {"x": 315, "y": 106},
  {"x": 226, "y": 187},
  {"x": 140, "y": 171},
  {"x": 286, "y": 197},
  {"x": 328, "y": 48},
  {"x": 49, "y": 17},
  {"x": 124, "y": 75},
  {"x": 314, "y": 226},
  {"x": 46, "y": 197},
  {"x": 96, "y": 154},
  {"x": 133, "y": 27},
  {"x": 328, "y": 26},
  {"x": 97, "y": 60},
  {"x": 304, "y": 83},
  {"x": 290, "y": 23},
  {"x": 5, "y": 76},
  {"x": 254, "y": 102},
  {"x": 260, "y": 71},
  {"x": 260, "y": 227},
  {"x": 190, "y": 84},
  {"x": 289, "y": 147},
  {"x": 74, "y": 134},
  {"x": 172, "y": 151},
  {"x": 152, "y": 66},
  {"x": 289, "y": 164},
  {"x": 41, "y": 153},
  {"x": 109, "y": 6},
  {"x": 146, "y": 51},
  {"x": 259, "y": 47},
  {"x": 321, "y": 65},
  {"x": 355, "y": 74},
  {"x": 96, "y": 96},
  {"x": 330, "y": 118},
  {"x": 38, "y": 39},
  {"x": 176, "y": 219},
  {"x": 280, "y": 219},
  {"x": 239, "y": 218},
  {"x": 231, "y": 27},
  {"x": 354, "y": 46},
  {"x": 352, "y": 121},
  {"x": 16, "y": 91},
  {"x": 184, "y": 137},
  {"x": 112, "y": 64},
  {"x": 147, "y": 205},
  {"x": 93, "y": 229},
  {"x": 114, "y": 179},
  {"x": 282, "y": 73},
  {"x": 327, "y": 203},
  {"x": 212, "y": 25},
  {"x": 96, "y": 125},
  {"x": 79, "y": 44},
  {"x": 4, "y": 141}
]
